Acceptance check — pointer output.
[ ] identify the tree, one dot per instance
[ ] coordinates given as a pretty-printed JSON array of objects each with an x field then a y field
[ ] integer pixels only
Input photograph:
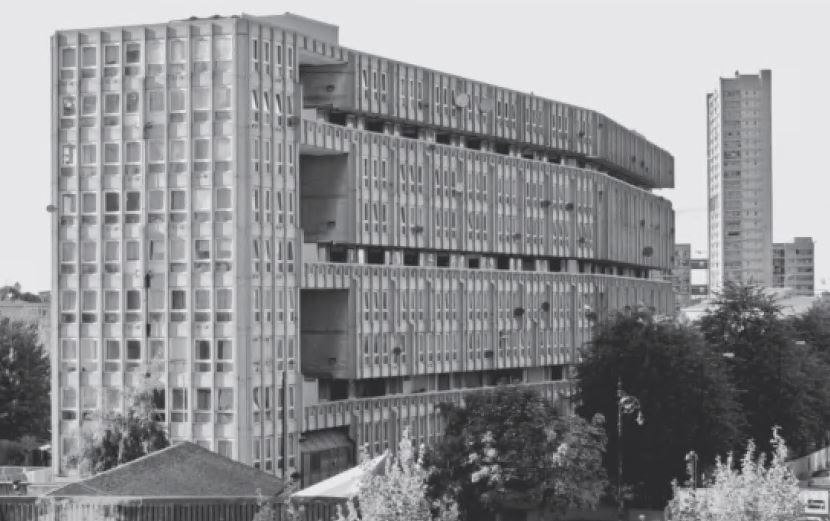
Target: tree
[
  {"x": 24, "y": 382},
  {"x": 781, "y": 381},
  {"x": 510, "y": 450},
  {"x": 683, "y": 391},
  {"x": 753, "y": 492},
  {"x": 813, "y": 327},
  {"x": 399, "y": 493},
  {"x": 118, "y": 438},
  {"x": 15, "y": 292}
]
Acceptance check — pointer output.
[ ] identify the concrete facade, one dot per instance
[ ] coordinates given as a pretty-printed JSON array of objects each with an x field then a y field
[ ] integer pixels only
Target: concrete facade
[
  {"x": 685, "y": 282},
  {"x": 740, "y": 180},
  {"x": 304, "y": 244},
  {"x": 793, "y": 265}
]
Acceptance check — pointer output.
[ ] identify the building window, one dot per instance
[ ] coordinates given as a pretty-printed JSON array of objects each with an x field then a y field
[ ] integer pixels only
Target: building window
[
  {"x": 225, "y": 448},
  {"x": 177, "y": 200},
  {"x": 203, "y": 405},
  {"x": 89, "y": 300},
  {"x": 112, "y": 300},
  {"x": 89, "y": 105},
  {"x": 133, "y": 251},
  {"x": 133, "y": 54},
  {"x": 178, "y": 299},
  {"x": 133, "y": 300},
  {"x": 89, "y": 57},
  {"x": 88, "y": 251},
  {"x": 68, "y": 57},
  {"x": 112, "y": 350},
  {"x": 69, "y": 349},
  {"x": 178, "y": 411},
  {"x": 202, "y": 249},
  {"x": 224, "y": 349},
  {"x": 133, "y": 349},
  {"x": 224, "y": 405},
  {"x": 111, "y": 202},
  {"x": 89, "y": 203}
]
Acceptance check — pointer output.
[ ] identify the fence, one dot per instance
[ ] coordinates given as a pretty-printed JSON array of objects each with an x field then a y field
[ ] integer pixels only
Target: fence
[{"x": 29, "y": 508}]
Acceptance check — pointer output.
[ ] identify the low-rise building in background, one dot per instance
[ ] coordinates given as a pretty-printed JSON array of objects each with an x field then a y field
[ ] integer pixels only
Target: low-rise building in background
[{"x": 793, "y": 265}]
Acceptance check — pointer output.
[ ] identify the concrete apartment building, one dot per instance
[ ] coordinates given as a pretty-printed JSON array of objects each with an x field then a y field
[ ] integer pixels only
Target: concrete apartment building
[
  {"x": 309, "y": 247},
  {"x": 793, "y": 265},
  {"x": 740, "y": 180},
  {"x": 681, "y": 275},
  {"x": 685, "y": 276}
]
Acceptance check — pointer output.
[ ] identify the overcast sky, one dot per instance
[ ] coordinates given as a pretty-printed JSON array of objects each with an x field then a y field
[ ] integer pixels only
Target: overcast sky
[{"x": 647, "y": 64}]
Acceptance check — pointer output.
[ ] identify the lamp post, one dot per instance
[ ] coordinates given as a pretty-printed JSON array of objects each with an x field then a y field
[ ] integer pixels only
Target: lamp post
[{"x": 626, "y": 404}]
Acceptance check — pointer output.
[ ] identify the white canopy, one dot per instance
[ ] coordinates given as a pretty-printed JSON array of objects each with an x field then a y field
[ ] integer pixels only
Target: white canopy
[{"x": 341, "y": 486}]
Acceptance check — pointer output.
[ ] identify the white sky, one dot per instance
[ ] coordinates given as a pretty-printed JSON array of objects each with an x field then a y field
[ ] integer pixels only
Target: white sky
[{"x": 647, "y": 64}]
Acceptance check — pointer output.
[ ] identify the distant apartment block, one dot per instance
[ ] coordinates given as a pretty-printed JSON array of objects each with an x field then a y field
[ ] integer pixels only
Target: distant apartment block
[
  {"x": 740, "y": 180},
  {"x": 310, "y": 248},
  {"x": 685, "y": 280},
  {"x": 793, "y": 265},
  {"x": 31, "y": 312}
]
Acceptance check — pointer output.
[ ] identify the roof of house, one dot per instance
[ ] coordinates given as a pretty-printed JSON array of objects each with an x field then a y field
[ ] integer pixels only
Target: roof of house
[{"x": 181, "y": 470}]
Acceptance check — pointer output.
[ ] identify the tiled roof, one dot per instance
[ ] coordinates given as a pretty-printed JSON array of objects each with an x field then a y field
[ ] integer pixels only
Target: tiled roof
[{"x": 181, "y": 470}]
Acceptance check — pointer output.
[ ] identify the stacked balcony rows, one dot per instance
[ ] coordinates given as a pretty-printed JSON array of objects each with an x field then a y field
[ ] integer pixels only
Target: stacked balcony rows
[
  {"x": 389, "y": 90},
  {"x": 376, "y": 423},
  {"x": 405, "y": 320},
  {"x": 391, "y": 191}
]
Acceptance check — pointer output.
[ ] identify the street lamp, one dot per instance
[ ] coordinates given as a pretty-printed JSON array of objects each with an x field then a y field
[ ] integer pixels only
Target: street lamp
[{"x": 626, "y": 404}]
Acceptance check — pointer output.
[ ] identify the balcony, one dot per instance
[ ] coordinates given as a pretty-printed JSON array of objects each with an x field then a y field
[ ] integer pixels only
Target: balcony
[{"x": 364, "y": 410}]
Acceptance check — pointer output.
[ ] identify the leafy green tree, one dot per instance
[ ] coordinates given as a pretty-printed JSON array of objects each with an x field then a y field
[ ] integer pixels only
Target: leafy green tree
[
  {"x": 813, "y": 328},
  {"x": 684, "y": 395},
  {"x": 511, "y": 450},
  {"x": 24, "y": 382},
  {"x": 118, "y": 438},
  {"x": 782, "y": 381},
  {"x": 754, "y": 490}
]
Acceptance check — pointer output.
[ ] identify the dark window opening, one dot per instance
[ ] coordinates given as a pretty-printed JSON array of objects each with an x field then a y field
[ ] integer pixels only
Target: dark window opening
[
  {"x": 474, "y": 263},
  {"x": 338, "y": 118},
  {"x": 555, "y": 265},
  {"x": 502, "y": 262},
  {"x": 442, "y": 260},
  {"x": 474, "y": 144},
  {"x": 375, "y": 256},
  {"x": 158, "y": 399},
  {"x": 557, "y": 372},
  {"x": 372, "y": 387},
  {"x": 443, "y": 382},
  {"x": 444, "y": 139},
  {"x": 339, "y": 389},
  {"x": 410, "y": 132},
  {"x": 338, "y": 254},
  {"x": 502, "y": 148},
  {"x": 528, "y": 265},
  {"x": 411, "y": 258},
  {"x": 374, "y": 126}
]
